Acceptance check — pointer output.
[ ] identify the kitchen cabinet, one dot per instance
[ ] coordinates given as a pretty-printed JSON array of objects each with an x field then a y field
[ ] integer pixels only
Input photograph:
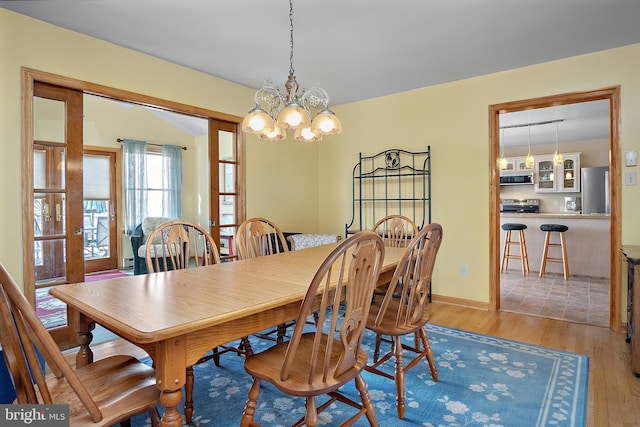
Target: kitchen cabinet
[
  {"x": 510, "y": 166},
  {"x": 516, "y": 165},
  {"x": 521, "y": 165},
  {"x": 564, "y": 178}
]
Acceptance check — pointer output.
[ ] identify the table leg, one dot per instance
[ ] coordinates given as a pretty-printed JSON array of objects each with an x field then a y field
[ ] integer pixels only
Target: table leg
[
  {"x": 170, "y": 399},
  {"x": 171, "y": 372},
  {"x": 85, "y": 354}
]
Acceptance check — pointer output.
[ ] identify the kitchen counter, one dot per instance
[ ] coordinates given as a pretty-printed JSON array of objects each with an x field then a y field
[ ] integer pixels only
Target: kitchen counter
[
  {"x": 562, "y": 215},
  {"x": 588, "y": 240}
]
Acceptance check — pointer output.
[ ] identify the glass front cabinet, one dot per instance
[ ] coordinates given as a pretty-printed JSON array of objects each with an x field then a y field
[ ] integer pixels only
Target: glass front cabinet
[{"x": 562, "y": 178}]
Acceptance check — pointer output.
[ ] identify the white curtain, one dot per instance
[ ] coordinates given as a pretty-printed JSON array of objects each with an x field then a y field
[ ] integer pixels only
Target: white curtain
[
  {"x": 172, "y": 181},
  {"x": 135, "y": 183}
]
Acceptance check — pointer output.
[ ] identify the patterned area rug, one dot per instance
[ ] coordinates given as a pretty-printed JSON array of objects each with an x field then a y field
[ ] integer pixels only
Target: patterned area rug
[
  {"x": 484, "y": 381},
  {"x": 53, "y": 312}
]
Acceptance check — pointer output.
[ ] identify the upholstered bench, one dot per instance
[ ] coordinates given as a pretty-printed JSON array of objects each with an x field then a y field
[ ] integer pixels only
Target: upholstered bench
[{"x": 303, "y": 241}]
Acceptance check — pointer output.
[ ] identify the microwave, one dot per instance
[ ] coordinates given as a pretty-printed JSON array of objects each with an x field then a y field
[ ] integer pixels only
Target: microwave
[{"x": 516, "y": 179}]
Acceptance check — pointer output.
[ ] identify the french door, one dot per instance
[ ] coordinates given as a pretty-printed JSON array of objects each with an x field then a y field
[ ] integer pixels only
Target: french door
[
  {"x": 99, "y": 211},
  {"x": 56, "y": 200},
  {"x": 226, "y": 160}
]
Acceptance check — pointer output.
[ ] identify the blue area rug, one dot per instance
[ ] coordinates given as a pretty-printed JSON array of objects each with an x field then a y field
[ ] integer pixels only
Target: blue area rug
[{"x": 484, "y": 381}]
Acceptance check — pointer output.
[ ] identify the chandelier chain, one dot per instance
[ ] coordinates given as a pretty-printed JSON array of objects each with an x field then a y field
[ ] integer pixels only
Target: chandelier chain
[{"x": 291, "y": 72}]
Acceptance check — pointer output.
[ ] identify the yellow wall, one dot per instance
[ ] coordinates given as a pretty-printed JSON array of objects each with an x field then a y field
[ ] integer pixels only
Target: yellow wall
[{"x": 453, "y": 119}]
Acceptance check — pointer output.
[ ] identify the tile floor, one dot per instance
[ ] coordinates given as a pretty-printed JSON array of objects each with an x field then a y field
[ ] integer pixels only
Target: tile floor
[{"x": 579, "y": 299}]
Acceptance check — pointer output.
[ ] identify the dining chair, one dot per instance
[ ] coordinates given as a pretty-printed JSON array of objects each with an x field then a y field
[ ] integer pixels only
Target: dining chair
[
  {"x": 396, "y": 230},
  {"x": 319, "y": 359},
  {"x": 402, "y": 310},
  {"x": 179, "y": 245},
  {"x": 103, "y": 393},
  {"x": 257, "y": 237}
]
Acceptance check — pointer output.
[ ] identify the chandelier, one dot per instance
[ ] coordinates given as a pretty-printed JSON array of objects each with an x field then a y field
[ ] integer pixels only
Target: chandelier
[{"x": 275, "y": 112}]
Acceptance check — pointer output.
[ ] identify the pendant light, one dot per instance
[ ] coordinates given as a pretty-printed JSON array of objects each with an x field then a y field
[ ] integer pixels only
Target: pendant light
[
  {"x": 557, "y": 157},
  {"x": 503, "y": 160},
  {"x": 529, "y": 161},
  {"x": 275, "y": 112}
]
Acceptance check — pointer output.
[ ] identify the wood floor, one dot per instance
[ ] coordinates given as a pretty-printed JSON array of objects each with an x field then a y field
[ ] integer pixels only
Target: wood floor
[{"x": 614, "y": 392}]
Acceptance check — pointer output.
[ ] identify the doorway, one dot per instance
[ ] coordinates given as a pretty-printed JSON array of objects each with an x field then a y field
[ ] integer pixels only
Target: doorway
[
  {"x": 612, "y": 96},
  {"x": 53, "y": 197}
]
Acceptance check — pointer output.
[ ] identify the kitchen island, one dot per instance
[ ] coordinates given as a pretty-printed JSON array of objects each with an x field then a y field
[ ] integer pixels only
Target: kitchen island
[{"x": 588, "y": 240}]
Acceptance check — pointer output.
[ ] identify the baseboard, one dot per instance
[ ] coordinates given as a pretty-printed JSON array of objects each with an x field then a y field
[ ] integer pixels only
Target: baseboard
[{"x": 461, "y": 302}]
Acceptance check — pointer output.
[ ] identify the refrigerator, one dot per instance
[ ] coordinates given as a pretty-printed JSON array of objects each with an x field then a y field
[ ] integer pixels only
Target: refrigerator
[{"x": 594, "y": 182}]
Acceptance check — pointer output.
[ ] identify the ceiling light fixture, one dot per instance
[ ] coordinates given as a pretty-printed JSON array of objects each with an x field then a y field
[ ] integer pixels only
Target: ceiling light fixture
[
  {"x": 557, "y": 156},
  {"x": 275, "y": 112},
  {"x": 502, "y": 161},
  {"x": 529, "y": 161}
]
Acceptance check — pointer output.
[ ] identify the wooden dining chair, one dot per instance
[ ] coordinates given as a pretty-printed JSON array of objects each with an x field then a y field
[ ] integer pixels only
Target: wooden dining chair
[
  {"x": 396, "y": 230},
  {"x": 178, "y": 245},
  {"x": 257, "y": 237},
  {"x": 106, "y": 392},
  {"x": 402, "y": 310},
  {"x": 317, "y": 360}
]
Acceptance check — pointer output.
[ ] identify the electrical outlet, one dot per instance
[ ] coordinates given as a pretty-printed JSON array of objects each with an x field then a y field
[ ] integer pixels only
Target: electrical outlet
[
  {"x": 463, "y": 269},
  {"x": 630, "y": 178}
]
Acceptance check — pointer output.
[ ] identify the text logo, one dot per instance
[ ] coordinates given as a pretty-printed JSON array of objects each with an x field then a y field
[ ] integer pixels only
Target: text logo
[{"x": 34, "y": 415}]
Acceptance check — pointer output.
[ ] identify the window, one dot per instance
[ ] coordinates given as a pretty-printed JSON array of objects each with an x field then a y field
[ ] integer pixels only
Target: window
[
  {"x": 155, "y": 189},
  {"x": 152, "y": 182}
]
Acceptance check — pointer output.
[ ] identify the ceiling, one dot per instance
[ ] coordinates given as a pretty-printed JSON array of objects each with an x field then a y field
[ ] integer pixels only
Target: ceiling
[{"x": 356, "y": 49}]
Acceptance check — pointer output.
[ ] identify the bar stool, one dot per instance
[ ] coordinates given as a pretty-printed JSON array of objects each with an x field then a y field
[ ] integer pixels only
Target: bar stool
[
  {"x": 548, "y": 229},
  {"x": 523, "y": 256}
]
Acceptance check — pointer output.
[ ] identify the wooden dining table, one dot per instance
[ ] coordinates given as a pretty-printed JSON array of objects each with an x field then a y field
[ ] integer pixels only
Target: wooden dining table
[{"x": 177, "y": 316}]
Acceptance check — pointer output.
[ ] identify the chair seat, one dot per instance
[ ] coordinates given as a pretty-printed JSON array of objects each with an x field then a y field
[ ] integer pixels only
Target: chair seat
[
  {"x": 267, "y": 365},
  {"x": 513, "y": 226},
  {"x": 388, "y": 324},
  {"x": 100, "y": 377},
  {"x": 554, "y": 227}
]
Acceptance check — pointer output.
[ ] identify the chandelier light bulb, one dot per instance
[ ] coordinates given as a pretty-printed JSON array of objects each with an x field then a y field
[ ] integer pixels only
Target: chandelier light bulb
[
  {"x": 277, "y": 134},
  {"x": 307, "y": 134},
  {"x": 326, "y": 123},
  {"x": 257, "y": 121},
  {"x": 293, "y": 119}
]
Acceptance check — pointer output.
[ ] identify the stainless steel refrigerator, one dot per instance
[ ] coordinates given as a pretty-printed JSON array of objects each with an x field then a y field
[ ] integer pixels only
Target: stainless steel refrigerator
[{"x": 594, "y": 183}]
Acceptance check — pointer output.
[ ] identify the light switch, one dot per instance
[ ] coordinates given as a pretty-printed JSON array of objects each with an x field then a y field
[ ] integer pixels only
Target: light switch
[
  {"x": 630, "y": 178},
  {"x": 630, "y": 158}
]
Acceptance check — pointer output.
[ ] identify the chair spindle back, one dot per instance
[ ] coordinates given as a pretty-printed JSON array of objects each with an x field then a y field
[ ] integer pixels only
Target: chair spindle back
[{"x": 347, "y": 276}]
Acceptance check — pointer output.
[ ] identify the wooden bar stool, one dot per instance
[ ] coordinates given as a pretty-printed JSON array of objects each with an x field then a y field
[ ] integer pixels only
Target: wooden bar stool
[
  {"x": 508, "y": 242},
  {"x": 554, "y": 228}
]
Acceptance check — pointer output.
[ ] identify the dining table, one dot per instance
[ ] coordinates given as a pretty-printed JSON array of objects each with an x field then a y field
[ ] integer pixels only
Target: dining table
[{"x": 177, "y": 316}]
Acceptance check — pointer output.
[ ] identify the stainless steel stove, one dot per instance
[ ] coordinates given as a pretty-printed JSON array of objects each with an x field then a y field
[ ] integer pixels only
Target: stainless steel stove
[{"x": 520, "y": 206}]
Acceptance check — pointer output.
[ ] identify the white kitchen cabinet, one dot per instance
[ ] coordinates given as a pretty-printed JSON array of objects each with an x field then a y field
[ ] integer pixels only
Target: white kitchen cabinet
[
  {"x": 510, "y": 167},
  {"x": 564, "y": 178},
  {"x": 516, "y": 165},
  {"x": 521, "y": 165}
]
